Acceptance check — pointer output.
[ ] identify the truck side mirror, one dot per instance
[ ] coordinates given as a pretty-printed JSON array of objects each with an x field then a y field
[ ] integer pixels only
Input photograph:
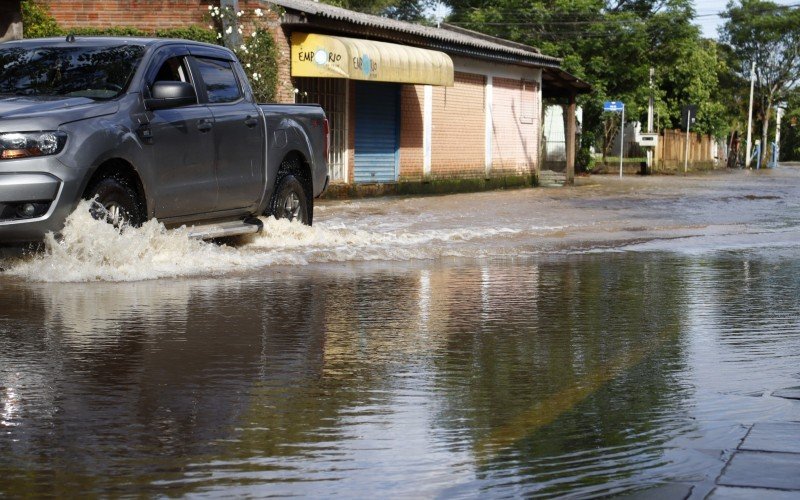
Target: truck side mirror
[{"x": 170, "y": 94}]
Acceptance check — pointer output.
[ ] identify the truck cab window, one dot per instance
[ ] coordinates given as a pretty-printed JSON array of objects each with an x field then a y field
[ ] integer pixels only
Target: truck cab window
[
  {"x": 173, "y": 70},
  {"x": 221, "y": 83}
]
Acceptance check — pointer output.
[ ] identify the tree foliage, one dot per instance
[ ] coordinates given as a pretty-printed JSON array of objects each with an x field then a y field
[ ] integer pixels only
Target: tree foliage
[
  {"x": 404, "y": 10},
  {"x": 767, "y": 35},
  {"x": 790, "y": 129}
]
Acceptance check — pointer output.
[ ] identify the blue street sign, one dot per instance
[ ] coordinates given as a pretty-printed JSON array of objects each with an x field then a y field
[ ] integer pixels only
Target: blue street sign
[{"x": 613, "y": 106}]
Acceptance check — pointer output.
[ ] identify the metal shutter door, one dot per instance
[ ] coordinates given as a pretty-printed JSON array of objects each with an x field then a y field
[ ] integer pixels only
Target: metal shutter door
[{"x": 376, "y": 142}]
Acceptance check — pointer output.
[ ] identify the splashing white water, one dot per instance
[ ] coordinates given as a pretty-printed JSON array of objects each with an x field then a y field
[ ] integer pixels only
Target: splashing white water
[{"x": 91, "y": 250}]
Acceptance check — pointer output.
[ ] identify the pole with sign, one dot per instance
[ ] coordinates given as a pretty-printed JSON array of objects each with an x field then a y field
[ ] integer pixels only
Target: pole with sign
[
  {"x": 616, "y": 107},
  {"x": 688, "y": 117}
]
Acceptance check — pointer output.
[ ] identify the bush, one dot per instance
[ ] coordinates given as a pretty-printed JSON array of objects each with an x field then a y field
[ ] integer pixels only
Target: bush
[
  {"x": 196, "y": 33},
  {"x": 585, "y": 160},
  {"x": 37, "y": 21}
]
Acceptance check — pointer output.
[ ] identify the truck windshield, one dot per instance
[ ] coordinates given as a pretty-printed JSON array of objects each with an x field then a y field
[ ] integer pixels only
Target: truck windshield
[{"x": 93, "y": 72}]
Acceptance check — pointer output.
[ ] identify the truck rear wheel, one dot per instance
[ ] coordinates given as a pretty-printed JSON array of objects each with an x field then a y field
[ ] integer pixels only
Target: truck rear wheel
[
  {"x": 116, "y": 202},
  {"x": 290, "y": 200}
]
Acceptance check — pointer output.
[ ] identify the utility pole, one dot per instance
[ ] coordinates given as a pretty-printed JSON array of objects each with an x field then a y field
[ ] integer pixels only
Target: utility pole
[
  {"x": 621, "y": 141},
  {"x": 650, "y": 107},
  {"x": 777, "y": 147},
  {"x": 750, "y": 116},
  {"x": 688, "y": 126}
]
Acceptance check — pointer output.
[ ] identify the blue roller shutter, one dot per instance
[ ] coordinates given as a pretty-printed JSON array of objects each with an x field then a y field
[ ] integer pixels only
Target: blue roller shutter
[{"x": 377, "y": 130}]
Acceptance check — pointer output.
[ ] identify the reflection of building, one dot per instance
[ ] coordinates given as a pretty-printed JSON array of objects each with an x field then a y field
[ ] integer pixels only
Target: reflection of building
[{"x": 406, "y": 102}]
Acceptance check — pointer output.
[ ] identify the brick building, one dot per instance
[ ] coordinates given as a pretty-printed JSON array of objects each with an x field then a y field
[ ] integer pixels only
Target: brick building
[{"x": 407, "y": 103}]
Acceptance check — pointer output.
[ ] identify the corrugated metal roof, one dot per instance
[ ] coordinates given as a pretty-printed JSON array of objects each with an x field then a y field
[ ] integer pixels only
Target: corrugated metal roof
[{"x": 448, "y": 35}]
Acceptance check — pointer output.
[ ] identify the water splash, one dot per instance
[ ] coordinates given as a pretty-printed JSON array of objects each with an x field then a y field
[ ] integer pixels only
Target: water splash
[{"x": 92, "y": 250}]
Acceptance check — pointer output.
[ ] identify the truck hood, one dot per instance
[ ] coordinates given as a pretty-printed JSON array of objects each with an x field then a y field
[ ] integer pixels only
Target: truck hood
[
  {"x": 35, "y": 107},
  {"x": 45, "y": 113}
]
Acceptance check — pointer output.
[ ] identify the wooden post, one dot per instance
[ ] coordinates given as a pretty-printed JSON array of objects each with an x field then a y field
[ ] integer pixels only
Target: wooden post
[
  {"x": 10, "y": 20},
  {"x": 570, "y": 140}
]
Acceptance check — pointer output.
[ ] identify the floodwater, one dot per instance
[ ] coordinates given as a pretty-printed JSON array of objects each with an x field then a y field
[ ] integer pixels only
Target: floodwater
[{"x": 587, "y": 341}]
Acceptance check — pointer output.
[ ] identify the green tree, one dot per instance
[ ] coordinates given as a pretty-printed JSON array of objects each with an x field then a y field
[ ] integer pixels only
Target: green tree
[
  {"x": 790, "y": 129},
  {"x": 768, "y": 35},
  {"x": 404, "y": 10}
]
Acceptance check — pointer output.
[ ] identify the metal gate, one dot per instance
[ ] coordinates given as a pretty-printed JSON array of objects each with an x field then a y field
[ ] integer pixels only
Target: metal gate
[
  {"x": 331, "y": 94},
  {"x": 377, "y": 131}
]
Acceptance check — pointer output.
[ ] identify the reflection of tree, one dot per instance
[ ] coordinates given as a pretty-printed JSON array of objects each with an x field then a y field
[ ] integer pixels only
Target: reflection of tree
[
  {"x": 193, "y": 380},
  {"x": 58, "y": 71}
]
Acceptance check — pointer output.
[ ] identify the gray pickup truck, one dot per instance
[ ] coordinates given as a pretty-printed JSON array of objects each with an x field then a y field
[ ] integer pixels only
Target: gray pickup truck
[{"x": 150, "y": 128}]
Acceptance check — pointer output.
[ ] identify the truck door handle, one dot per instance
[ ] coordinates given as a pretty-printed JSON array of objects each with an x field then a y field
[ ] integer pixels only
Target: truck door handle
[
  {"x": 145, "y": 133},
  {"x": 204, "y": 125},
  {"x": 250, "y": 121}
]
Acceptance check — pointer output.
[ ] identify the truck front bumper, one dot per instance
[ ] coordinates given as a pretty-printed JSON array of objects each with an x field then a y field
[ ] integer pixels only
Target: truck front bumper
[{"x": 36, "y": 196}]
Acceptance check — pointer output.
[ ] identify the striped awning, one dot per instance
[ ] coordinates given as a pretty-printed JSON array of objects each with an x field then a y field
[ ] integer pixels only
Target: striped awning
[{"x": 325, "y": 56}]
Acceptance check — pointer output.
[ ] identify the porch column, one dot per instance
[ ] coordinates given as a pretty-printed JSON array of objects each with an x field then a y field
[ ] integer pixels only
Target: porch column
[{"x": 570, "y": 140}]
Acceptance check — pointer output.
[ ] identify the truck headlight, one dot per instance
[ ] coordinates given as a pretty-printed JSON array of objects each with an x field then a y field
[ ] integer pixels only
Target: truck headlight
[{"x": 27, "y": 144}]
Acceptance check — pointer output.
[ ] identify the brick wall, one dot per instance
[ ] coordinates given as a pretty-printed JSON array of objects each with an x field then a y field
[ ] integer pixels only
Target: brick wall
[
  {"x": 458, "y": 135},
  {"x": 514, "y": 126},
  {"x": 151, "y": 15},
  {"x": 144, "y": 14},
  {"x": 412, "y": 98}
]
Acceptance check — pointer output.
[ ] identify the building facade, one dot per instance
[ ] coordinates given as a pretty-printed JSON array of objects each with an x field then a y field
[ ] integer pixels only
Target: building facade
[{"x": 407, "y": 104}]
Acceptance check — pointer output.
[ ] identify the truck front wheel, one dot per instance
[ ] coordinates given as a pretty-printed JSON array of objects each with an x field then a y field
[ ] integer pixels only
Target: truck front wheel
[
  {"x": 116, "y": 202},
  {"x": 290, "y": 200}
]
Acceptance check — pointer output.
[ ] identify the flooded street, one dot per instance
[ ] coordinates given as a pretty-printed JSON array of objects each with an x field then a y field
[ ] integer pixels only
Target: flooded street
[{"x": 603, "y": 339}]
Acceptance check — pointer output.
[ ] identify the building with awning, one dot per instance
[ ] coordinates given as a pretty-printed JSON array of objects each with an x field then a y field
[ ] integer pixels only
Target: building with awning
[
  {"x": 326, "y": 56},
  {"x": 414, "y": 103}
]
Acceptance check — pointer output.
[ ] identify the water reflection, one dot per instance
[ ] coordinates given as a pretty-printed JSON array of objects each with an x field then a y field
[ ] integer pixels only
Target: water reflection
[{"x": 584, "y": 375}]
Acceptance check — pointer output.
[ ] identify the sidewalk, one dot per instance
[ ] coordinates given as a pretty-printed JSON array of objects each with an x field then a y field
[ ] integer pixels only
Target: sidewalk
[{"x": 766, "y": 464}]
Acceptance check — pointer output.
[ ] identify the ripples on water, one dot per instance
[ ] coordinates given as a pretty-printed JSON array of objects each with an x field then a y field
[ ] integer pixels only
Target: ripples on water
[
  {"x": 477, "y": 373},
  {"x": 583, "y": 375}
]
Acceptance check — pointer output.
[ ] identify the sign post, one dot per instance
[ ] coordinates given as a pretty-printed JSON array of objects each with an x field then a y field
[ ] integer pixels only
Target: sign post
[
  {"x": 615, "y": 107},
  {"x": 688, "y": 116}
]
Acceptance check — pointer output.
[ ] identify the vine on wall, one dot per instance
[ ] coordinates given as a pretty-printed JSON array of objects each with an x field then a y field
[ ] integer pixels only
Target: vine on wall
[{"x": 247, "y": 34}]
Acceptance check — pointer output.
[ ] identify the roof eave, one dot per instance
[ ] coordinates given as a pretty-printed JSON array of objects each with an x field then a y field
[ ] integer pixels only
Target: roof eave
[{"x": 314, "y": 17}]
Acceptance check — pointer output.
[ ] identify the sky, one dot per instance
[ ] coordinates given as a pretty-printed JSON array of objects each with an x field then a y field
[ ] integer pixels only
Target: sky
[{"x": 708, "y": 14}]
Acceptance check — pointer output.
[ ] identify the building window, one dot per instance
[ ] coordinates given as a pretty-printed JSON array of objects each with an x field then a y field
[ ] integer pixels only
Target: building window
[{"x": 528, "y": 101}]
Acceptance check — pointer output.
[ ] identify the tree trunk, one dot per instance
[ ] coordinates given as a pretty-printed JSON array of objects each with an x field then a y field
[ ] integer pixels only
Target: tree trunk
[{"x": 10, "y": 20}]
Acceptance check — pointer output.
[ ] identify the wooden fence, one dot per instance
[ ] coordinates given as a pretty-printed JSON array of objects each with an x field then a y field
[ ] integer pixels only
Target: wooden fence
[{"x": 671, "y": 151}]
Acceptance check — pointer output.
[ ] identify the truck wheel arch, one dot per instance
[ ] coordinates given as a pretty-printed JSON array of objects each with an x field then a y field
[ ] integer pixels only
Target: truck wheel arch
[
  {"x": 122, "y": 170},
  {"x": 295, "y": 163}
]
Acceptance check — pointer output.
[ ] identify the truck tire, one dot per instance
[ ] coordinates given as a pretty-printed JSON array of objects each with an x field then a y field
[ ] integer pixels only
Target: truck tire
[
  {"x": 290, "y": 201},
  {"x": 116, "y": 202}
]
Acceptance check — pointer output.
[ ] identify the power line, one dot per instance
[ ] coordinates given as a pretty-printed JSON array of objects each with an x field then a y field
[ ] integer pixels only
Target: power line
[{"x": 614, "y": 20}]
